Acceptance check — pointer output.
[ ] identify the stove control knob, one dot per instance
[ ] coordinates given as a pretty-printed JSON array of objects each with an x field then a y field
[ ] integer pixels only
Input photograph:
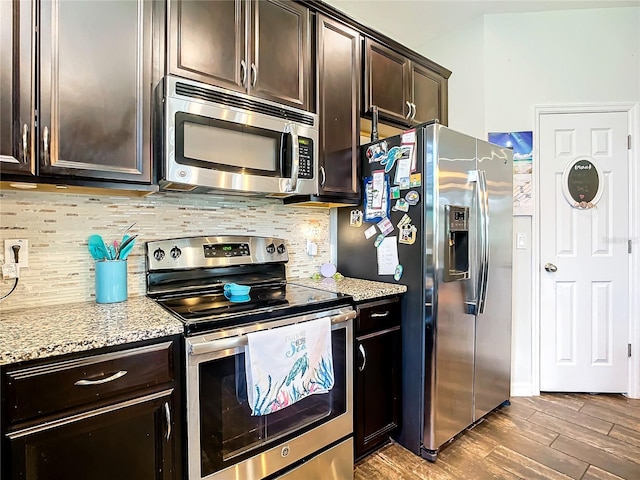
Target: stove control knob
[
  {"x": 271, "y": 248},
  {"x": 281, "y": 248},
  {"x": 158, "y": 254},
  {"x": 175, "y": 252}
]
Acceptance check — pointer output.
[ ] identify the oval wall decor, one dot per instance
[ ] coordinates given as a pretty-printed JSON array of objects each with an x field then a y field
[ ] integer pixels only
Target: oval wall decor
[{"x": 582, "y": 182}]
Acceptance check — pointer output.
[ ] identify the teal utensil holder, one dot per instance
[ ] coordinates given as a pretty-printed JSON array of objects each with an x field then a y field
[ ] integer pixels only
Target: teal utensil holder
[{"x": 111, "y": 281}]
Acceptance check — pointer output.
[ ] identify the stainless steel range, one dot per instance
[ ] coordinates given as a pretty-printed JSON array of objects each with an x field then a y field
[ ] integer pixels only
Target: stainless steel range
[{"x": 311, "y": 438}]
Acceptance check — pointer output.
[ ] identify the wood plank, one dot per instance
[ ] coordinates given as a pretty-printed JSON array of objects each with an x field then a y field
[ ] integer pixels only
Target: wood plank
[
  {"x": 530, "y": 430},
  {"x": 612, "y": 416},
  {"x": 594, "y": 473},
  {"x": 543, "y": 454},
  {"x": 570, "y": 415},
  {"x": 524, "y": 467},
  {"x": 594, "y": 456},
  {"x": 395, "y": 462},
  {"x": 518, "y": 410},
  {"x": 566, "y": 400},
  {"x": 464, "y": 459},
  {"x": 627, "y": 435},
  {"x": 581, "y": 434},
  {"x": 618, "y": 403}
]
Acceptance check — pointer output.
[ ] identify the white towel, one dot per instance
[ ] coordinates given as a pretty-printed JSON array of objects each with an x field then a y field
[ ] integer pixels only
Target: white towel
[{"x": 286, "y": 364}]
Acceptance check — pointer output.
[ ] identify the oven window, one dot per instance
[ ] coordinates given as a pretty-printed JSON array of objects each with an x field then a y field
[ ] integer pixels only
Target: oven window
[
  {"x": 223, "y": 145},
  {"x": 228, "y": 432}
]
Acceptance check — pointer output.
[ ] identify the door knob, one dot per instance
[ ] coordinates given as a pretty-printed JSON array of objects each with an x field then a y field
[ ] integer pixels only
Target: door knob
[{"x": 550, "y": 267}]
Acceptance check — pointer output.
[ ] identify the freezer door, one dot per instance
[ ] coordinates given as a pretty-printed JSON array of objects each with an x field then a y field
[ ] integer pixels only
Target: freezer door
[
  {"x": 493, "y": 323},
  {"x": 450, "y": 402}
]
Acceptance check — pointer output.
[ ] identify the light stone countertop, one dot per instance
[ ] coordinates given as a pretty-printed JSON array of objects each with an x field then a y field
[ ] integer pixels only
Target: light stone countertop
[
  {"x": 360, "y": 290},
  {"x": 43, "y": 332},
  {"x": 59, "y": 329}
]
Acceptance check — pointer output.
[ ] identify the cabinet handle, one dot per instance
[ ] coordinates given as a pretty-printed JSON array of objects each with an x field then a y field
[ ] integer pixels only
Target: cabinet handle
[
  {"x": 364, "y": 358},
  {"x": 45, "y": 139},
  {"x": 254, "y": 75},
  {"x": 324, "y": 176},
  {"x": 409, "y": 112},
  {"x": 25, "y": 136},
  {"x": 115, "y": 376},
  {"x": 243, "y": 72},
  {"x": 380, "y": 315},
  {"x": 167, "y": 417},
  {"x": 414, "y": 111}
]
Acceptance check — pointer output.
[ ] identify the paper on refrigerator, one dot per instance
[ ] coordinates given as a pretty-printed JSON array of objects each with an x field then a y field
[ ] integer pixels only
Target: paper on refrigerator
[{"x": 387, "y": 253}]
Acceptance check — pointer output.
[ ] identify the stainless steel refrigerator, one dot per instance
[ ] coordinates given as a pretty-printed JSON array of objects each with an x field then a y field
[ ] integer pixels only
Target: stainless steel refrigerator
[{"x": 452, "y": 230}]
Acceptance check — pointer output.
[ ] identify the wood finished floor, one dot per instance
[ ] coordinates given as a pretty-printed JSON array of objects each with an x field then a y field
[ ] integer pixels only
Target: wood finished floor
[{"x": 553, "y": 436}]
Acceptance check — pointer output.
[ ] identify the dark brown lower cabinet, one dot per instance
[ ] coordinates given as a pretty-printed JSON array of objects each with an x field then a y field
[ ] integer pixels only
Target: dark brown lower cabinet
[
  {"x": 129, "y": 430},
  {"x": 378, "y": 365},
  {"x": 126, "y": 441}
]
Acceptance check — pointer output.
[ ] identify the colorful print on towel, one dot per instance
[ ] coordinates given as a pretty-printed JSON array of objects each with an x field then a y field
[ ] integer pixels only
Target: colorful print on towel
[{"x": 287, "y": 364}]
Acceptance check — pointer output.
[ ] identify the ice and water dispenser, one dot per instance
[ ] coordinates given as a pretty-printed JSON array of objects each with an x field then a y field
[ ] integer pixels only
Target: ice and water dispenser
[{"x": 456, "y": 249}]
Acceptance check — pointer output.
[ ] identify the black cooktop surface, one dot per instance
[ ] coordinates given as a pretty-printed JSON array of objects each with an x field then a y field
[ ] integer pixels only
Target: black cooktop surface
[{"x": 205, "y": 312}]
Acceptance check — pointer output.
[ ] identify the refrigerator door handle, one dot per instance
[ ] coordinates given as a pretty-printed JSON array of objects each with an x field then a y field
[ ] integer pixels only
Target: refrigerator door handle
[{"x": 483, "y": 272}]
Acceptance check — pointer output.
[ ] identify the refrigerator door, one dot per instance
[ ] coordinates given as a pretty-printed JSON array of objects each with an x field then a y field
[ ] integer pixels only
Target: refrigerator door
[
  {"x": 493, "y": 323},
  {"x": 450, "y": 401}
]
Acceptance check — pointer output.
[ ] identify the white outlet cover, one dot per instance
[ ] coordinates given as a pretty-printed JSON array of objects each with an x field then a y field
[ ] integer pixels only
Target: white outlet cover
[{"x": 23, "y": 255}]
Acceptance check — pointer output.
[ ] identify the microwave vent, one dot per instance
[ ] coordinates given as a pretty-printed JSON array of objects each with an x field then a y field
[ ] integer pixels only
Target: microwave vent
[{"x": 243, "y": 103}]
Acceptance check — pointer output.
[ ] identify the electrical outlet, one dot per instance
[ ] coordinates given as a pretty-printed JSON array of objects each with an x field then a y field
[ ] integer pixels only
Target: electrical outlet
[{"x": 23, "y": 254}]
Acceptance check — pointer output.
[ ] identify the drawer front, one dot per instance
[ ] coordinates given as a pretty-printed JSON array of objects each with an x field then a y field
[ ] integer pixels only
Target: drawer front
[
  {"x": 378, "y": 316},
  {"x": 54, "y": 387}
]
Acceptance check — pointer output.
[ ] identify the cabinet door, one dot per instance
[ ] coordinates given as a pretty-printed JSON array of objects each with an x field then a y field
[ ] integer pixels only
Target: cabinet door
[
  {"x": 132, "y": 440},
  {"x": 386, "y": 82},
  {"x": 280, "y": 52},
  {"x": 377, "y": 396},
  {"x": 338, "y": 92},
  {"x": 96, "y": 67},
  {"x": 429, "y": 95},
  {"x": 16, "y": 87},
  {"x": 207, "y": 42}
]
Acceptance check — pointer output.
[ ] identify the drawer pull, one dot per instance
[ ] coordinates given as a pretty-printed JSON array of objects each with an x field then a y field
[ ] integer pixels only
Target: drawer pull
[
  {"x": 380, "y": 315},
  {"x": 115, "y": 376},
  {"x": 364, "y": 358},
  {"x": 167, "y": 417}
]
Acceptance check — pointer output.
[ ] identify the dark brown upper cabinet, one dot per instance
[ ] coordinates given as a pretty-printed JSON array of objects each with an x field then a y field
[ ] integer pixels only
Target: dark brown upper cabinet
[
  {"x": 405, "y": 91},
  {"x": 17, "y": 77},
  {"x": 92, "y": 121},
  {"x": 429, "y": 93},
  {"x": 258, "y": 47},
  {"x": 339, "y": 68}
]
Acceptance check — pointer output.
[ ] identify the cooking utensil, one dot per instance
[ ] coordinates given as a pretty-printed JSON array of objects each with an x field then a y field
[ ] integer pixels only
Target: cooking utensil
[
  {"x": 125, "y": 247},
  {"x": 97, "y": 248}
]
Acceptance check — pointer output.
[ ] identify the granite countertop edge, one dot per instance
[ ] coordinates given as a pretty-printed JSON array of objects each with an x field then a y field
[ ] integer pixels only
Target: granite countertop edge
[
  {"x": 361, "y": 290},
  {"x": 43, "y": 332}
]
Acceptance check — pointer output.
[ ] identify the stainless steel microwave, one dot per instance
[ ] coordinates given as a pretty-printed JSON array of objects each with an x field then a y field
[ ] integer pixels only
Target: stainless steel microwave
[{"x": 219, "y": 140}]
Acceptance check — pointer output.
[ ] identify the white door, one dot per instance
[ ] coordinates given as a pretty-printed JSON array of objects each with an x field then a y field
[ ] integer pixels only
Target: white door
[{"x": 584, "y": 303}]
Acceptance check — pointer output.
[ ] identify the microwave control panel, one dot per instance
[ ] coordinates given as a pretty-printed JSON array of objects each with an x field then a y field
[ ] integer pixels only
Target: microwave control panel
[{"x": 305, "y": 149}]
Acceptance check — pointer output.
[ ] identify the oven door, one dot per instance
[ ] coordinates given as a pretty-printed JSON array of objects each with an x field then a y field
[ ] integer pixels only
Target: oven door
[{"x": 225, "y": 441}]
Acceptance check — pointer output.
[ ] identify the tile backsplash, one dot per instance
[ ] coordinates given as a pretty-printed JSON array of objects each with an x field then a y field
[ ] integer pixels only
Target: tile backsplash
[{"x": 57, "y": 226}]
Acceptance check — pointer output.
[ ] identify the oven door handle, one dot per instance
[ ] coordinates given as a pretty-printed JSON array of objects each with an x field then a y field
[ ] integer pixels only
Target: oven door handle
[{"x": 242, "y": 340}]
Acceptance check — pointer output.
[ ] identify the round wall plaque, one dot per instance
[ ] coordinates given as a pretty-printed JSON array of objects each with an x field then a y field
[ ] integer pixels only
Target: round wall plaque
[{"x": 582, "y": 182}]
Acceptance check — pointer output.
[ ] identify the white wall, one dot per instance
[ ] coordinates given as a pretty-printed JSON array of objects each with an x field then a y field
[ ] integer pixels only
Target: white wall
[{"x": 528, "y": 60}]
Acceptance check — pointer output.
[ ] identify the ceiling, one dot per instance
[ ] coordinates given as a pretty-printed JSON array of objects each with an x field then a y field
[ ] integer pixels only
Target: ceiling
[{"x": 414, "y": 22}]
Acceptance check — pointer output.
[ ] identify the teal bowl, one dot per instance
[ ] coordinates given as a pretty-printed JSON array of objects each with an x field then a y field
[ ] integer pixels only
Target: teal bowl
[{"x": 234, "y": 289}]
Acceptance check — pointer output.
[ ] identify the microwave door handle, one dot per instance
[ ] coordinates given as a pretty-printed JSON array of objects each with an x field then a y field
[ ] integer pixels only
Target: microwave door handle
[{"x": 295, "y": 156}]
